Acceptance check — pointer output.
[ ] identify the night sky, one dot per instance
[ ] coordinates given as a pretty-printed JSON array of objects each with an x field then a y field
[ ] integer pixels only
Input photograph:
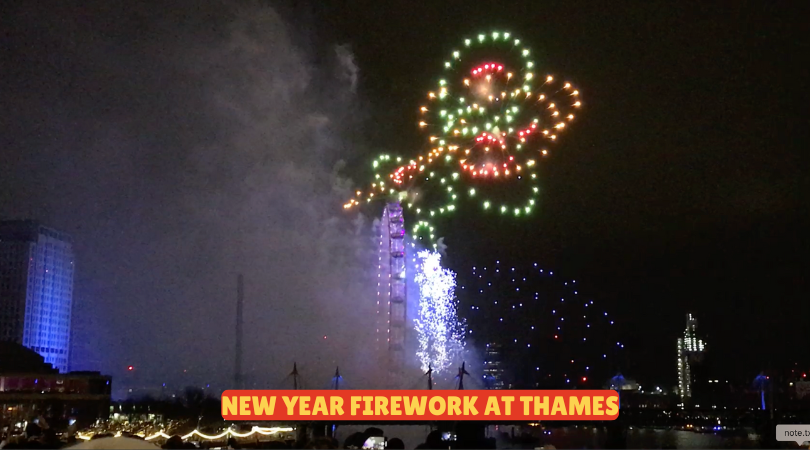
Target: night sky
[
  {"x": 183, "y": 144},
  {"x": 683, "y": 187}
]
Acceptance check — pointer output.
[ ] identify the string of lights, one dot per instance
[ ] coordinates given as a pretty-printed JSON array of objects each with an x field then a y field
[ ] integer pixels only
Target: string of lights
[{"x": 209, "y": 437}]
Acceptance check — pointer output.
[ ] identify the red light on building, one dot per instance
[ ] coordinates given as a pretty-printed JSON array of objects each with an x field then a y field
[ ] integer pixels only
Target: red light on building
[
  {"x": 130, "y": 368},
  {"x": 584, "y": 379}
]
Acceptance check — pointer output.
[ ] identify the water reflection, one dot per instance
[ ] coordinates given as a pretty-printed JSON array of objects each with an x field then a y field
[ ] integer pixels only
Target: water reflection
[{"x": 593, "y": 438}]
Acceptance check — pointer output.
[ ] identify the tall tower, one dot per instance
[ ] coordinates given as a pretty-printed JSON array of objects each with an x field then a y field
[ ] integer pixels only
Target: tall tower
[
  {"x": 391, "y": 285},
  {"x": 493, "y": 369},
  {"x": 36, "y": 289},
  {"x": 240, "y": 297},
  {"x": 690, "y": 351}
]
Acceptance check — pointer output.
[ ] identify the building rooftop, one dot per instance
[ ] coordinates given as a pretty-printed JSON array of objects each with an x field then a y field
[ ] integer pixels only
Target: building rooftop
[
  {"x": 28, "y": 230},
  {"x": 14, "y": 358}
]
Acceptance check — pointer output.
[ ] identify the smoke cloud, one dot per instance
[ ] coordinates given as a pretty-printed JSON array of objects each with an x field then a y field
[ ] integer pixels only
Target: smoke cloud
[
  {"x": 350, "y": 69},
  {"x": 179, "y": 156}
]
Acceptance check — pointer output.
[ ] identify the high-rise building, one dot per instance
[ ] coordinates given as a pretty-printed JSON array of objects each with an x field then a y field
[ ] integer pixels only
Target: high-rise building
[
  {"x": 30, "y": 387},
  {"x": 36, "y": 289},
  {"x": 690, "y": 351},
  {"x": 493, "y": 370}
]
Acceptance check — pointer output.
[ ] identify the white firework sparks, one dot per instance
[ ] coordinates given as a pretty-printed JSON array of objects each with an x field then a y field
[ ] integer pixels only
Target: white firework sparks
[{"x": 441, "y": 334}]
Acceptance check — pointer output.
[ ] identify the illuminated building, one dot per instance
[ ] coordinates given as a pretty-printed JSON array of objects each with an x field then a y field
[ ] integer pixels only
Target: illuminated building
[
  {"x": 29, "y": 386},
  {"x": 36, "y": 289},
  {"x": 690, "y": 351},
  {"x": 493, "y": 370},
  {"x": 620, "y": 383}
]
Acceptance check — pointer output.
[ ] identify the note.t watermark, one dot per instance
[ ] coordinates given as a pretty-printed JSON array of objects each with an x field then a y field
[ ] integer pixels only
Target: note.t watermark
[{"x": 799, "y": 434}]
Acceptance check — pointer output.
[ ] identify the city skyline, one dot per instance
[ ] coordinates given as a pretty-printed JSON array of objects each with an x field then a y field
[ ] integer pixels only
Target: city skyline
[{"x": 179, "y": 152}]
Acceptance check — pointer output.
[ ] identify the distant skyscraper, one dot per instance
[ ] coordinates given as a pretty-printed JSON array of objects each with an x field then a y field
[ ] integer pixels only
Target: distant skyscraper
[
  {"x": 690, "y": 350},
  {"x": 36, "y": 289},
  {"x": 493, "y": 369}
]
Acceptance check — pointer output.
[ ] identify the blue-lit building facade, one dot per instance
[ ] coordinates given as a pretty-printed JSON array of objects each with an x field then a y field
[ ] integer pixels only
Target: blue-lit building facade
[
  {"x": 36, "y": 289},
  {"x": 493, "y": 367}
]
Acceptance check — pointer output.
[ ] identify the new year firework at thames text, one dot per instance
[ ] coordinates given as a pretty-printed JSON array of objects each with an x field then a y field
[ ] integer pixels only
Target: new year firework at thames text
[{"x": 407, "y": 405}]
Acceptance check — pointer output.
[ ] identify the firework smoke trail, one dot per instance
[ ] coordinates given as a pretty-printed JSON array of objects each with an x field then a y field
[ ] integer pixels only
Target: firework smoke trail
[
  {"x": 440, "y": 334},
  {"x": 177, "y": 161}
]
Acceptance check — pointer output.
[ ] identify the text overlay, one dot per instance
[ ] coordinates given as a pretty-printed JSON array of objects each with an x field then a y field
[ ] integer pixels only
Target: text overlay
[{"x": 420, "y": 405}]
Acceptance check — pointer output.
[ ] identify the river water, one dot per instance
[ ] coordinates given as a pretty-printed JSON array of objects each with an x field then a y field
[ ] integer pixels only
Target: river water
[
  {"x": 584, "y": 437},
  {"x": 580, "y": 437}
]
